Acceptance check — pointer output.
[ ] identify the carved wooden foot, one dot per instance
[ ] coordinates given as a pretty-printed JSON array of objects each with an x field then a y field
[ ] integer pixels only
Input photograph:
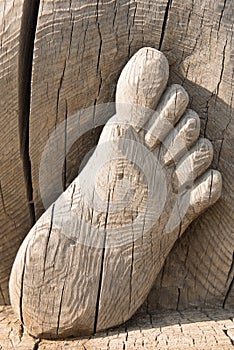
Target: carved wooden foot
[{"x": 91, "y": 259}]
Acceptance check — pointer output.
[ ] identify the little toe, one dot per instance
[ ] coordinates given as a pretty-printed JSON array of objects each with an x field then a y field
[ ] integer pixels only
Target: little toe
[
  {"x": 182, "y": 138},
  {"x": 170, "y": 109},
  {"x": 140, "y": 86},
  {"x": 192, "y": 165},
  {"x": 207, "y": 190}
]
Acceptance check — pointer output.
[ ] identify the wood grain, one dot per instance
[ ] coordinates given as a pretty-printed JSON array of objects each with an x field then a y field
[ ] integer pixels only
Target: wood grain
[
  {"x": 210, "y": 329},
  {"x": 77, "y": 59},
  {"x": 15, "y": 214},
  {"x": 201, "y": 58},
  {"x": 90, "y": 260},
  {"x": 197, "y": 40}
]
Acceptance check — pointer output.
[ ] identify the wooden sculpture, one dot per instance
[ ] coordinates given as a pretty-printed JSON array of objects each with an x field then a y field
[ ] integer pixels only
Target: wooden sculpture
[{"x": 90, "y": 260}]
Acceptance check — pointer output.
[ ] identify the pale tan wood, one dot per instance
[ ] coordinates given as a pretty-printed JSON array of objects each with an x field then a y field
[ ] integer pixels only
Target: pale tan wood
[
  {"x": 206, "y": 25},
  {"x": 199, "y": 270},
  {"x": 197, "y": 40},
  {"x": 91, "y": 259},
  {"x": 15, "y": 217},
  {"x": 210, "y": 329},
  {"x": 12, "y": 335},
  {"x": 101, "y": 38}
]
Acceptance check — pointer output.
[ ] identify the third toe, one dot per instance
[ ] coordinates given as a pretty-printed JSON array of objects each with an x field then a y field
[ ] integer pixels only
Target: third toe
[{"x": 182, "y": 138}]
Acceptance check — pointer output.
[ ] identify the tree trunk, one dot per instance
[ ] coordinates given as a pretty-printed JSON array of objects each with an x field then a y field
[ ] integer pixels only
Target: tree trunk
[{"x": 74, "y": 62}]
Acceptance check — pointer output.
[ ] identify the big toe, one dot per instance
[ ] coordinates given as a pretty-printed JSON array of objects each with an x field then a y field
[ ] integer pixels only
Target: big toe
[{"x": 141, "y": 85}]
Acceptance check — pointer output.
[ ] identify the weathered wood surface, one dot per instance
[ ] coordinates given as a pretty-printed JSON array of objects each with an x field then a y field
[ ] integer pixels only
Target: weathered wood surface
[
  {"x": 15, "y": 213},
  {"x": 200, "y": 269},
  {"x": 210, "y": 330},
  {"x": 91, "y": 259},
  {"x": 80, "y": 49},
  {"x": 79, "y": 53}
]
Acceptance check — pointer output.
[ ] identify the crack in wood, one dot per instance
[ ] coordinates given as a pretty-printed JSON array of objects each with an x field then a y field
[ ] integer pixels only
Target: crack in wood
[
  {"x": 222, "y": 68},
  {"x": 26, "y": 48},
  {"x": 48, "y": 239},
  {"x": 102, "y": 268},
  {"x": 221, "y": 15},
  {"x": 178, "y": 300},
  {"x": 211, "y": 184},
  {"x": 22, "y": 288},
  {"x": 169, "y": 3},
  {"x": 228, "y": 292},
  {"x": 131, "y": 272},
  {"x": 60, "y": 308},
  {"x": 59, "y": 90},
  {"x": 231, "y": 270},
  {"x": 65, "y": 184},
  {"x": 229, "y": 335},
  {"x": 37, "y": 344}
]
